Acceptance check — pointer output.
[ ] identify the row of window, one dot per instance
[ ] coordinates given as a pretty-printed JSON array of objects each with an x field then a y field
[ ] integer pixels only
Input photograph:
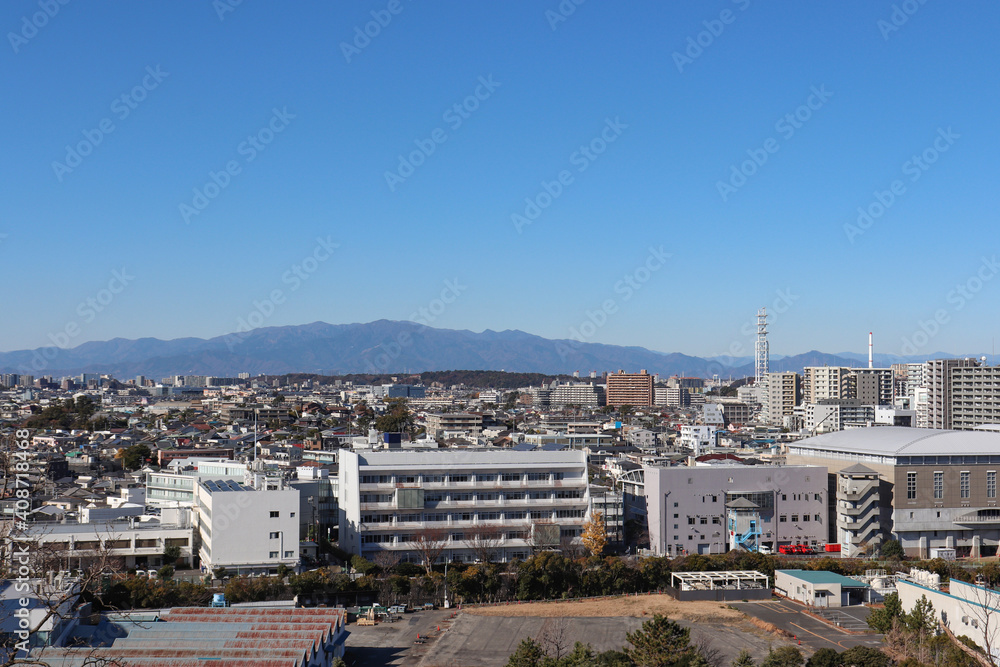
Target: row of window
[
  {"x": 492, "y": 496},
  {"x": 818, "y": 497},
  {"x": 964, "y": 484},
  {"x": 288, "y": 554},
  {"x": 403, "y": 538},
  {"x": 442, "y": 517},
  {"x": 463, "y": 478}
]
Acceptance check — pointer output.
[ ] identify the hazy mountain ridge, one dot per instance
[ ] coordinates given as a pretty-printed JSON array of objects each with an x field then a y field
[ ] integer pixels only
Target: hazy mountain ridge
[{"x": 378, "y": 347}]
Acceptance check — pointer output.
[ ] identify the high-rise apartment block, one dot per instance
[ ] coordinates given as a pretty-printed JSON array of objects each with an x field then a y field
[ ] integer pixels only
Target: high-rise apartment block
[
  {"x": 635, "y": 389},
  {"x": 975, "y": 396},
  {"x": 784, "y": 391},
  {"x": 937, "y": 379}
]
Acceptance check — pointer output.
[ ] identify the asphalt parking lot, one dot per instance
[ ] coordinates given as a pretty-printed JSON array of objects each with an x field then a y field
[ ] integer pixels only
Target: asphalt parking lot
[
  {"x": 394, "y": 643},
  {"x": 812, "y": 632},
  {"x": 488, "y": 641}
]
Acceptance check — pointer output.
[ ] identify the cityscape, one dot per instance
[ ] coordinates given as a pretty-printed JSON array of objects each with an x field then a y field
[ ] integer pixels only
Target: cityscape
[{"x": 556, "y": 334}]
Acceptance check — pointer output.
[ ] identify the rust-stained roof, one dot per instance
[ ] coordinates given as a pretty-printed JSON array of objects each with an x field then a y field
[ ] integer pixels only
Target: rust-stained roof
[{"x": 228, "y": 636}]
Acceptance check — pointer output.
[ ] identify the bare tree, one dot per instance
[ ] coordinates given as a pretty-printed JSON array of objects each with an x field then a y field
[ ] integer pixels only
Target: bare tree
[
  {"x": 386, "y": 561},
  {"x": 543, "y": 535},
  {"x": 553, "y": 638},
  {"x": 712, "y": 654},
  {"x": 984, "y": 612},
  {"x": 485, "y": 541},
  {"x": 430, "y": 542}
]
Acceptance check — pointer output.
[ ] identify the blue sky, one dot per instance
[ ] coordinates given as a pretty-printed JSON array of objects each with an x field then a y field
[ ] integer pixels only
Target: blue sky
[{"x": 329, "y": 130}]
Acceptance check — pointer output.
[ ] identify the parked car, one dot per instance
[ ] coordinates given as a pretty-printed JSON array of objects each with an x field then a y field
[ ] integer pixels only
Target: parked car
[
  {"x": 764, "y": 549},
  {"x": 787, "y": 549}
]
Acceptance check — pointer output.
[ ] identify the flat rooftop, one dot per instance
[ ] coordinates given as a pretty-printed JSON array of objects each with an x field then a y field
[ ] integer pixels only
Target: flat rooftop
[{"x": 824, "y": 577}]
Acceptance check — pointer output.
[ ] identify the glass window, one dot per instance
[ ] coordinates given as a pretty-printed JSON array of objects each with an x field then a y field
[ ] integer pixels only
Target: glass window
[
  {"x": 938, "y": 485},
  {"x": 911, "y": 486},
  {"x": 991, "y": 484},
  {"x": 965, "y": 481}
]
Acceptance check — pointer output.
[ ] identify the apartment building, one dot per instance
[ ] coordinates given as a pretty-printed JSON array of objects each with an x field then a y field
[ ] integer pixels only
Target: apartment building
[
  {"x": 582, "y": 394},
  {"x": 447, "y": 424},
  {"x": 906, "y": 378},
  {"x": 824, "y": 382},
  {"x": 975, "y": 396},
  {"x": 671, "y": 397},
  {"x": 871, "y": 386},
  {"x": 937, "y": 488},
  {"x": 937, "y": 379},
  {"x": 783, "y": 392},
  {"x": 692, "y": 509},
  {"x": 449, "y": 505},
  {"x": 697, "y": 437},
  {"x": 634, "y": 389}
]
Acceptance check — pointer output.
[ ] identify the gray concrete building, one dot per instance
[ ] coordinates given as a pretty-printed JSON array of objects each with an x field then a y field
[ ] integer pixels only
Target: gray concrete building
[{"x": 689, "y": 508}]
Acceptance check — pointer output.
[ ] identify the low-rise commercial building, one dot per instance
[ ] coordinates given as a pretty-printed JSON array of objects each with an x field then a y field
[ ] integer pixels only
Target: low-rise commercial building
[{"x": 818, "y": 588}]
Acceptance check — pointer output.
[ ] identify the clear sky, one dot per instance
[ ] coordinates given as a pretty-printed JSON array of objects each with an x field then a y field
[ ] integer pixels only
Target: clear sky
[{"x": 115, "y": 114}]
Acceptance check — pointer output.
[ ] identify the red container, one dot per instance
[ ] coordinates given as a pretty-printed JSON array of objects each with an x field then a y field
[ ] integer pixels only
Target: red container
[{"x": 832, "y": 547}]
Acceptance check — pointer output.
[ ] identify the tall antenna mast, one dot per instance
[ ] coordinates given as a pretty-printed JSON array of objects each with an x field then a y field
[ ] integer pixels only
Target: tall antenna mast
[{"x": 761, "y": 355}]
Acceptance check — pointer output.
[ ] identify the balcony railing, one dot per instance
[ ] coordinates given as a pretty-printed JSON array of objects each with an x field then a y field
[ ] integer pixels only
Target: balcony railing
[{"x": 980, "y": 517}]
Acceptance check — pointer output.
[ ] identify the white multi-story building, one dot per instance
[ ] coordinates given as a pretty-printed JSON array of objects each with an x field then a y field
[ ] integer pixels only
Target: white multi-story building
[
  {"x": 247, "y": 530},
  {"x": 697, "y": 437},
  {"x": 451, "y": 499},
  {"x": 582, "y": 394}
]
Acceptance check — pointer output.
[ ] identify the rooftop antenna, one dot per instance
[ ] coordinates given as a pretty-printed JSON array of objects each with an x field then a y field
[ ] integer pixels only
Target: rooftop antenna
[{"x": 871, "y": 358}]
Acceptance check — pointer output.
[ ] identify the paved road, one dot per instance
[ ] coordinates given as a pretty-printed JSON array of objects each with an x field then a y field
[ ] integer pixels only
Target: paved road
[{"x": 813, "y": 633}]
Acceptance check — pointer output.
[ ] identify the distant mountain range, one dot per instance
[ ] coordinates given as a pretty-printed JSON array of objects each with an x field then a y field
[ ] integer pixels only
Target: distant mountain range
[{"x": 386, "y": 346}]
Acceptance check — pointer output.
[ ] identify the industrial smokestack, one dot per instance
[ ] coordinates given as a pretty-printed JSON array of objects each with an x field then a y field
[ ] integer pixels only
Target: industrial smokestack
[{"x": 871, "y": 359}]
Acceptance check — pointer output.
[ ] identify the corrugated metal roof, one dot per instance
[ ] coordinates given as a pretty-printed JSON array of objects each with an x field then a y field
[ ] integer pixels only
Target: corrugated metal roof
[{"x": 228, "y": 636}]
